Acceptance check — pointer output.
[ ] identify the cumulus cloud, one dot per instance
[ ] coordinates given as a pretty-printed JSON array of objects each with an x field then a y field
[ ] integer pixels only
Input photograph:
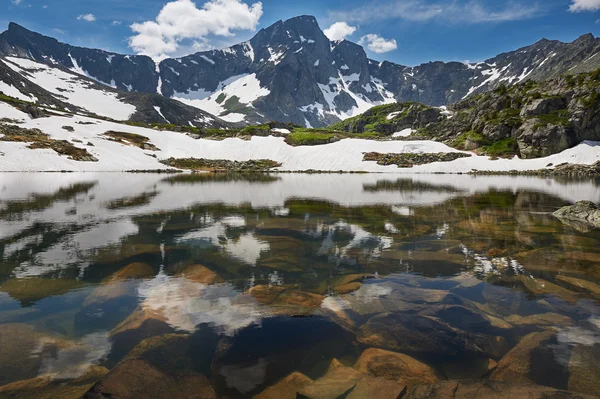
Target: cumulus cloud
[
  {"x": 458, "y": 11},
  {"x": 378, "y": 44},
  {"x": 182, "y": 19},
  {"x": 116, "y": 22},
  {"x": 87, "y": 17},
  {"x": 584, "y": 5},
  {"x": 339, "y": 31}
]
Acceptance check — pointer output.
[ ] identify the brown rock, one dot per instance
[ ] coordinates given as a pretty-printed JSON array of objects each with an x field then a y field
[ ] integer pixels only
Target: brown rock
[
  {"x": 541, "y": 320},
  {"x": 21, "y": 351},
  {"x": 200, "y": 274},
  {"x": 132, "y": 270},
  {"x": 265, "y": 294},
  {"x": 519, "y": 365},
  {"x": 419, "y": 334},
  {"x": 581, "y": 284},
  {"x": 584, "y": 369},
  {"x": 489, "y": 390},
  {"x": 133, "y": 379},
  {"x": 286, "y": 388},
  {"x": 46, "y": 388},
  {"x": 112, "y": 288},
  {"x": 395, "y": 366},
  {"x": 338, "y": 380},
  {"x": 380, "y": 388}
]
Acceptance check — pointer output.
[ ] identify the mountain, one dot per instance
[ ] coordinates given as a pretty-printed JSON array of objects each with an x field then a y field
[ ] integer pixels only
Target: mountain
[
  {"x": 291, "y": 72},
  {"x": 530, "y": 119}
]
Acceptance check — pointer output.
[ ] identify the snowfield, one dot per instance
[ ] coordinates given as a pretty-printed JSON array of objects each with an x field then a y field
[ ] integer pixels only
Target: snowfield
[
  {"x": 345, "y": 155},
  {"x": 76, "y": 91}
]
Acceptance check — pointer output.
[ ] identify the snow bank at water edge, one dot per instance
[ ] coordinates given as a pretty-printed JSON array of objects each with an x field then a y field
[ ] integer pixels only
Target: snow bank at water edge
[{"x": 345, "y": 155}]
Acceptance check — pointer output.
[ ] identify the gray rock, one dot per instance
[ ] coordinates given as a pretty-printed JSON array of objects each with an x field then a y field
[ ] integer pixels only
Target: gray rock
[
  {"x": 543, "y": 106},
  {"x": 584, "y": 213}
]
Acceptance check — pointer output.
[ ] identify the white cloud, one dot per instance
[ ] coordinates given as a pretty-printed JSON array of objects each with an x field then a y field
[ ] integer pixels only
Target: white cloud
[
  {"x": 584, "y": 5},
  {"x": 458, "y": 11},
  {"x": 116, "y": 22},
  {"x": 378, "y": 44},
  {"x": 87, "y": 17},
  {"x": 182, "y": 19},
  {"x": 339, "y": 31},
  {"x": 17, "y": 2}
]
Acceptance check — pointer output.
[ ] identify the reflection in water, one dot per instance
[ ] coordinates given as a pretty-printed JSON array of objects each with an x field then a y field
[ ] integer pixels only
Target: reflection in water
[
  {"x": 185, "y": 304},
  {"x": 212, "y": 277}
]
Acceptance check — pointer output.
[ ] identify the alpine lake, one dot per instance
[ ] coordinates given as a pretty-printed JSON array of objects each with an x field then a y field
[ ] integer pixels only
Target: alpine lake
[{"x": 296, "y": 286}]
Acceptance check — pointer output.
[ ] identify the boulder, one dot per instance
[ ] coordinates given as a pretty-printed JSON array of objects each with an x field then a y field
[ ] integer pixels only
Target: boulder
[
  {"x": 426, "y": 335},
  {"x": 539, "y": 139},
  {"x": 111, "y": 288},
  {"x": 532, "y": 360},
  {"x": 543, "y": 106},
  {"x": 474, "y": 389},
  {"x": 285, "y": 301},
  {"x": 200, "y": 274},
  {"x": 395, "y": 367},
  {"x": 138, "y": 379},
  {"x": 21, "y": 351},
  {"x": 582, "y": 213},
  {"x": 287, "y": 388},
  {"x": 584, "y": 369},
  {"x": 342, "y": 381},
  {"x": 48, "y": 388},
  {"x": 543, "y": 320},
  {"x": 581, "y": 284}
]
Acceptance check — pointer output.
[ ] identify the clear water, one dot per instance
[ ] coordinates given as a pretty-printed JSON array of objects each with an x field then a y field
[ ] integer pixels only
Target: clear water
[{"x": 247, "y": 279}]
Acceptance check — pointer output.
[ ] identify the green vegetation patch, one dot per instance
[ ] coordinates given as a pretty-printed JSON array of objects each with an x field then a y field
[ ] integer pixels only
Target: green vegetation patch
[
  {"x": 222, "y": 165},
  {"x": 556, "y": 118},
  {"x": 136, "y": 140},
  {"x": 300, "y": 137},
  {"x": 40, "y": 140},
  {"x": 506, "y": 148},
  {"x": 408, "y": 160}
]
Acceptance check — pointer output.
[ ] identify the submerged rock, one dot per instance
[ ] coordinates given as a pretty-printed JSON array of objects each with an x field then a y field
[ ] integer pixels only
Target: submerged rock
[
  {"x": 466, "y": 389},
  {"x": 287, "y": 388},
  {"x": 111, "y": 288},
  {"x": 532, "y": 360},
  {"x": 584, "y": 369},
  {"x": 48, "y": 388},
  {"x": 200, "y": 274},
  {"x": 21, "y": 350},
  {"x": 395, "y": 367},
  {"x": 343, "y": 381},
  {"x": 582, "y": 215},
  {"x": 138, "y": 379},
  {"x": 427, "y": 335}
]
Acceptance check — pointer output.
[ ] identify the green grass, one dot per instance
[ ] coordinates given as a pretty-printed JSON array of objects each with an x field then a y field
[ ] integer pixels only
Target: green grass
[
  {"x": 300, "y": 137},
  {"x": 461, "y": 140},
  {"x": 508, "y": 116},
  {"x": 375, "y": 119},
  {"x": 557, "y": 118},
  {"x": 504, "y": 148}
]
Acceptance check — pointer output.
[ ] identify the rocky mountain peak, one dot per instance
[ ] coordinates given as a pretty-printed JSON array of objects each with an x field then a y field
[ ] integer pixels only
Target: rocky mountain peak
[{"x": 291, "y": 72}]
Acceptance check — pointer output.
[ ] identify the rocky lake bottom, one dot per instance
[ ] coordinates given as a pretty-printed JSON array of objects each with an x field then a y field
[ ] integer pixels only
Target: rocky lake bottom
[{"x": 296, "y": 286}]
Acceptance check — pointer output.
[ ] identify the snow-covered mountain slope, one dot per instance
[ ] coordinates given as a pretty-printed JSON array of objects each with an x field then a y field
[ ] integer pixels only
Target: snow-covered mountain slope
[
  {"x": 71, "y": 91},
  {"x": 291, "y": 72},
  {"x": 347, "y": 155}
]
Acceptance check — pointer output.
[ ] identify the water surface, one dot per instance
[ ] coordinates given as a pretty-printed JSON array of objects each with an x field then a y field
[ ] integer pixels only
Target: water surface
[{"x": 246, "y": 279}]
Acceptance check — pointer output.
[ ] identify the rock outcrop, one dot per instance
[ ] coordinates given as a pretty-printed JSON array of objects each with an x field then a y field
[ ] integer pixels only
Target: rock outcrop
[{"x": 584, "y": 214}]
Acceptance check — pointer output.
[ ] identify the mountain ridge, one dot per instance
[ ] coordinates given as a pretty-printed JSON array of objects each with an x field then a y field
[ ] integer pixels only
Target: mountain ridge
[{"x": 291, "y": 72}]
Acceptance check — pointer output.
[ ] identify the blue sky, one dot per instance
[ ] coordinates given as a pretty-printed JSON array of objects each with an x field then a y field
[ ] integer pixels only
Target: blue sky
[{"x": 408, "y": 32}]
